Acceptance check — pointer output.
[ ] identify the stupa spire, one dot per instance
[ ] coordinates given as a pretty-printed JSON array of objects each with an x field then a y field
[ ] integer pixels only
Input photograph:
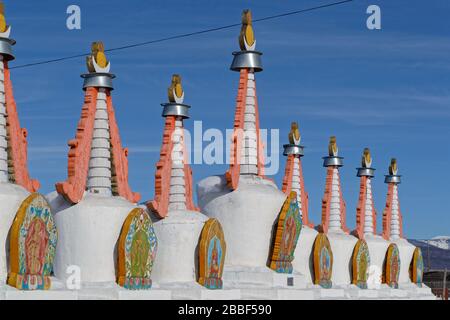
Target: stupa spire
[
  {"x": 366, "y": 216},
  {"x": 97, "y": 162},
  {"x": 333, "y": 204},
  {"x": 293, "y": 175},
  {"x": 392, "y": 216},
  {"x": 13, "y": 138},
  {"x": 173, "y": 178},
  {"x": 247, "y": 148}
]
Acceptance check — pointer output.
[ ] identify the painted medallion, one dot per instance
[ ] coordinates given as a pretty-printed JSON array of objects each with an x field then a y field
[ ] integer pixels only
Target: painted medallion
[
  {"x": 137, "y": 251},
  {"x": 287, "y": 232},
  {"x": 392, "y": 266},
  {"x": 417, "y": 267},
  {"x": 32, "y": 245},
  {"x": 360, "y": 264},
  {"x": 323, "y": 261},
  {"x": 212, "y": 250}
]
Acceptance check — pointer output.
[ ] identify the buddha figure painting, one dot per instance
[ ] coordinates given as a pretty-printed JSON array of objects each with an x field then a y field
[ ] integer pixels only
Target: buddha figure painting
[
  {"x": 287, "y": 232},
  {"x": 360, "y": 264},
  {"x": 32, "y": 245},
  {"x": 137, "y": 250},
  {"x": 323, "y": 261},
  {"x": 417, "y": 267},
  {"x": 212, "y": 250},
  {"x": 392, "y": 266}
]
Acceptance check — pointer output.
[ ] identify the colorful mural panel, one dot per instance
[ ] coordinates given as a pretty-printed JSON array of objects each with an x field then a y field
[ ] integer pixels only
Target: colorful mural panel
[
  {"x": 33, "y": 240},
  {"x": 416, "y": 268},
  {"x": 323, "y": 261},
  {"x": 360, "y": 264},
  {"x": 287, "y": 232},
  {"x": 212, "y": 251},
  {"x": 137, "y": 250},
  {"x": 392, "y": 266}
]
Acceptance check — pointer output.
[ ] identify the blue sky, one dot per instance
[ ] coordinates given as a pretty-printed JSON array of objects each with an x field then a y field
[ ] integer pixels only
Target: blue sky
[{"x": 385, "y": 89}]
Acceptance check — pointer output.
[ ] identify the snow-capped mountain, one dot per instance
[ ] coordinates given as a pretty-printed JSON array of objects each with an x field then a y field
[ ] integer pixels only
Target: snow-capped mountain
[
  {"x": 441, "y": 242},
  {"x": 435, "y": 251}
]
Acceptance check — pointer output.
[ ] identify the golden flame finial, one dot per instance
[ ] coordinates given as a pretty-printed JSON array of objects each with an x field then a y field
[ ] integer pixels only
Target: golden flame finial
[
  {"x": 332, "y": 147},
  {"x": 294, "y": 134},
  {"x": 97, "y": 61},
  {"x": 175, "y": 91},
  {"x": 393, "y": 167},
  {"x": 3, "y": 25},
  {"x": 247, "y": 39},
  {"x": 366, "y": 158}
]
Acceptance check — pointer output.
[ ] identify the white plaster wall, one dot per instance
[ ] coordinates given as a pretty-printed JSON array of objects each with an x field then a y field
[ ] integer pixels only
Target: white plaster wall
[
  {"x": 335, "y": 203},
  {"x": 87, "y": 236},
  {"x": 342, "y": 246},
  {"x": 11, "y": 197},
  {"x": 406, "y": 250},
  {"x": 377, "y": 250},
  {"x": 247, "y": 216},
  {"x": 178, "y": 236},
  {"x": 303, "y": 255},
  {"x": 249, "y": 148},
  {"x": 3, "y": 132}
]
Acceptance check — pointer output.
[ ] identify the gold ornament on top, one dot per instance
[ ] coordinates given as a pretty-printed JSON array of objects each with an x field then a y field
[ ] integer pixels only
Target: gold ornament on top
[
  {"x": 247, "y": 39},
  {"x": 4, "y": 28},
  {"x": 97, "y": 61},
  {"x": 294, "y": 134},
  {"x": 393, "y": 167},
  {"x": 366, "y": 159},
  {"x": 175, "y": 91},
  {"x": 332, "y": 147}
]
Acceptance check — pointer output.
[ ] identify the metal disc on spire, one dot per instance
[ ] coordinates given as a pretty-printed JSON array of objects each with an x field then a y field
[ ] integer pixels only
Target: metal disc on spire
[
  {"x": 5, "y": 42},
  {"x": 393, "y": 177},
  {"x": 333, "y": 160},
  {"x": 294, "y": 146},
  {"x": 366, "y": 163},
  {"x": 98, "y": 67},
  {"x": 247, "y": 58},
  {"x": 175, "y": 106}
]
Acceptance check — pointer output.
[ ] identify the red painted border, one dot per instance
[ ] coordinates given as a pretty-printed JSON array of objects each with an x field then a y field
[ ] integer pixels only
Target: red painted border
[
  {"x": 80, "y": 150},
  {"x": 17, "y": 138}
]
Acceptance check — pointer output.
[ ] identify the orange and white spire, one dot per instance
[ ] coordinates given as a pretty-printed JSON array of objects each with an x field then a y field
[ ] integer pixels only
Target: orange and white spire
[
  {"x": 13, "y": 138},
  {"x": 333, "y": 204},
  {"x": 97, "y": 163},
  {"x": 247, "y": 148},
  {"x": 293, "y": 175},
  {"x": 366, "y": 216},
  {"x": 392, "y": 216},
  {"x": 173, "y": 178}
]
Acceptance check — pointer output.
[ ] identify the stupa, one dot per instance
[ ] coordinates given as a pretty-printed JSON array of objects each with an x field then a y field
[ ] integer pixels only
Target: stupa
[
  {"x": 393, "y": 223},
  {"x": 27, "y": 232},
  {"x": 184, "y": 233},
  {"x": 246, "y": 203},
  {"x": 334, "y": 217},
  {"x": 91, "y": 206},
  {"x": 178, "y": 223},
  {"x": 366, "y": 216},
  {"x": 293, "y": 181}
]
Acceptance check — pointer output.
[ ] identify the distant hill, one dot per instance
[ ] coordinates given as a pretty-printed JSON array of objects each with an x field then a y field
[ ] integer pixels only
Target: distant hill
[{"x": 439, "y": 252}]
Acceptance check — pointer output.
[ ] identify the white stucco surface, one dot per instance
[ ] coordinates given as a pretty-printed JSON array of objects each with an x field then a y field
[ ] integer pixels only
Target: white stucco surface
[
  {"x": 88, "y": 233},
  {"x": 11, "y": 197},
  {"x": 247, "y": 216},
  {"x": 178, "y": 236},
  {"x": 303, "y": 255},
  {"x": 342, "y": 246},
  {"x": 406, "y": 250},
  {"x": 377, "y": 251}
]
